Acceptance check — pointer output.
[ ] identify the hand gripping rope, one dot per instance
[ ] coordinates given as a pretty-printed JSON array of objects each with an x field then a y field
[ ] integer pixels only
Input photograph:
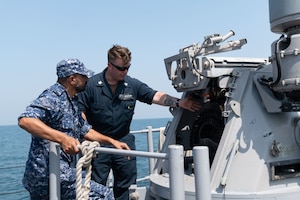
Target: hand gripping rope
[{"x": 87, "y": 150}]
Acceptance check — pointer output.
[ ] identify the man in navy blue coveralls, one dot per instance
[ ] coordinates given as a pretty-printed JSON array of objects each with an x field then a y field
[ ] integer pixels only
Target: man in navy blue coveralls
[{"x": 108, "y": 105}]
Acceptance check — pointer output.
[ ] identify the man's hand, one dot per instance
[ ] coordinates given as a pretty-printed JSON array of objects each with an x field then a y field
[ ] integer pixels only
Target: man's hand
[
  {"x": 189, "y": 103},
  {"x": 70, "y": 145},
  {"x": 120, "y": 145}
]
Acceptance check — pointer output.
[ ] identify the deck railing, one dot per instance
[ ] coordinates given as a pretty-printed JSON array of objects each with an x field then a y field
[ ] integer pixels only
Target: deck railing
[{"x": 176, "y": 167}]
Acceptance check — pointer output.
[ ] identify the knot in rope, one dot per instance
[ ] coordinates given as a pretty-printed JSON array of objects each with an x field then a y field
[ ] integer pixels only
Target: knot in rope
[{"x": 87, "y": 150}]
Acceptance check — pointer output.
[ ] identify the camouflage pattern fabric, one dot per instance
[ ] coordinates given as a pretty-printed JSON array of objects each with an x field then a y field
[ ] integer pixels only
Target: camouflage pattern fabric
[{"x": 56, "y": 109}]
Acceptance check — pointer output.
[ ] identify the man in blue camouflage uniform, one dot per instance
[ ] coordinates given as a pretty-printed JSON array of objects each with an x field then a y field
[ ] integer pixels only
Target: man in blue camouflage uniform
[{"x": 54, "y": 116}]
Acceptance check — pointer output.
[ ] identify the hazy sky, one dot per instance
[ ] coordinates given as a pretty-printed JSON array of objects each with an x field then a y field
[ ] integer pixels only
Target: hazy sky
[{"x": 36, "y": 35}]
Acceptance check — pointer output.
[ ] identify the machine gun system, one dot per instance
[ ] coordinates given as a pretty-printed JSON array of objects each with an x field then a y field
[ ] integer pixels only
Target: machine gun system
[{"x": 191, "y": 70}]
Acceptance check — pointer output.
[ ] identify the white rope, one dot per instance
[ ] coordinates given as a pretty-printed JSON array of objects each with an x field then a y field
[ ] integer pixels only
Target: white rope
[{"x": 87, "y": 150}]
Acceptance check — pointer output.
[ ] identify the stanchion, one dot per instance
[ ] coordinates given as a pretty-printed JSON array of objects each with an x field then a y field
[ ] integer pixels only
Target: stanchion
[
  {"x": 202, "y": 173},
  {"x": 176, "y": 165},
  {"x": 54, "y": 172}
]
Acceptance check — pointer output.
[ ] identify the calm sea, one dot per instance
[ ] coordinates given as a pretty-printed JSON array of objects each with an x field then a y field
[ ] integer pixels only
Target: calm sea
[{"x": 15, "y": 142}]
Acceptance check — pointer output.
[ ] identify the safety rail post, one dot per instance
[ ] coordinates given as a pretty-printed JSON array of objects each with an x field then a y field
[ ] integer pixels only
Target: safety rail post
[
  {"x": 202, "y": 173},
  {"x": 176, "y": 178},
  {"x": 150, "y": 148},
  {"x": 54, "y": 171}
]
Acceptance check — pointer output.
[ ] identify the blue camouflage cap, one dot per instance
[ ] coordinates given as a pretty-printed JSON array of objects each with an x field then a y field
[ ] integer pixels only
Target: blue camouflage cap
[{"x": 68, "y": 67}]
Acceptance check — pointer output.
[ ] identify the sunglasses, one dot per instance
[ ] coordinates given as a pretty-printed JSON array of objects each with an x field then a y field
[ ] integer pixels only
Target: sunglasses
[{"x": 120, "y": 68}]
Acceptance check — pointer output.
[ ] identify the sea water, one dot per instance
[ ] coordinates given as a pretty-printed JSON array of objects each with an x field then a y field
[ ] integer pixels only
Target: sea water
[{"x": 14, "y": 146}]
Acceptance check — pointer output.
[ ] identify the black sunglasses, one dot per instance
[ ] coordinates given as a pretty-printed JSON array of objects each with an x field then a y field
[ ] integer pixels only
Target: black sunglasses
[{"x": 120, "y": 68}]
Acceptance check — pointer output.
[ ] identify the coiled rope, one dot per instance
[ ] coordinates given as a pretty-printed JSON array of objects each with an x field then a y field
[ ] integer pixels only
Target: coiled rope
[{"x": 87, "y": 150}]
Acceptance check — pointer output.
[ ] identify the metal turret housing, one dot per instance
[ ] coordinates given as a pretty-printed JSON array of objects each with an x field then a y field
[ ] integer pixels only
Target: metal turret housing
[{"x": 249, "y": 118}]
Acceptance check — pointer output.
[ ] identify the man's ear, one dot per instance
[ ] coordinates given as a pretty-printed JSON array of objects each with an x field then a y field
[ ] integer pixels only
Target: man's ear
[{"x": 72, "y": 79}]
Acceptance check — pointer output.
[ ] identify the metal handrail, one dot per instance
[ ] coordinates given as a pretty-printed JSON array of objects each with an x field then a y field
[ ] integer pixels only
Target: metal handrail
[
  {"x": 175, "y": 156},
  {"x": 176, "y": 169},
  {"x": 54, "y": 179}
]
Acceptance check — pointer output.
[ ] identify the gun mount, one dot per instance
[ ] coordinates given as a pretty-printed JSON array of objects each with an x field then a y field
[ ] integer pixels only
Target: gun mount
[
  {"x": 191, "y": 71},
  {"x": 249, "y": 117}
]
